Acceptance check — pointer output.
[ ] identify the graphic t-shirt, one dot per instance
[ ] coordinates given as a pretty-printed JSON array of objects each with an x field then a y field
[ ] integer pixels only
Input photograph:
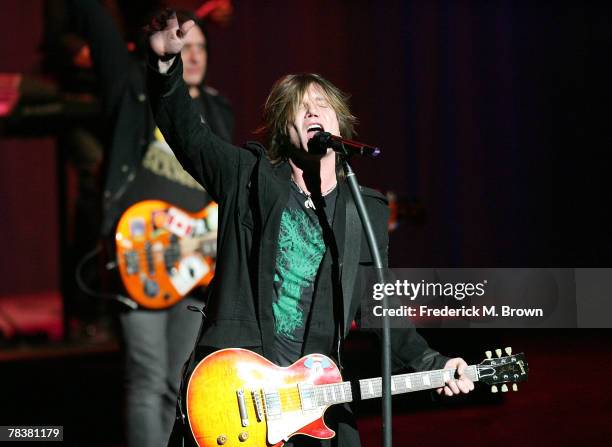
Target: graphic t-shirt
[
  {"x": 300, "y": 251},
  {"x": 161, "y": 176}
]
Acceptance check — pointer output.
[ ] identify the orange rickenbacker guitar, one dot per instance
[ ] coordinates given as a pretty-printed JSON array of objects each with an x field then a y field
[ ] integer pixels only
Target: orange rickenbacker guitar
[
  {"x": 163, "y": 252},
  {"x": 238, "y": 398}
]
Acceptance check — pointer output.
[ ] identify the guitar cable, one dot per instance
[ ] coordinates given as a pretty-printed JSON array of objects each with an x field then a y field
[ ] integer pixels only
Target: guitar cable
[{"x": 84, "y": 287}]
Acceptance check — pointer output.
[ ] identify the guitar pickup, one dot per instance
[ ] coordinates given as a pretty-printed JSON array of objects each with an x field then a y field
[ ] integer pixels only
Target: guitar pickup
[
  {"x": 172, "y": 254},
  {"x": 307, "y": 397},
  {"x": 273, "y": 404},
  {"x": 131, "y": 262},
  {"x": 244, "y": 416},
  {"x": 149, "y": 257}
]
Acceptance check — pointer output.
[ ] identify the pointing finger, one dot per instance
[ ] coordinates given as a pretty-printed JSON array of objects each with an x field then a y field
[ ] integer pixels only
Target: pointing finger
[
  {"x": 186, "y": 26},
  {"x": 172, "y": 21}
]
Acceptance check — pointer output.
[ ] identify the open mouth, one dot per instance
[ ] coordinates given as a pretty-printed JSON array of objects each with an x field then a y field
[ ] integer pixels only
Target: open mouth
[{"x": 313, "y": 129}]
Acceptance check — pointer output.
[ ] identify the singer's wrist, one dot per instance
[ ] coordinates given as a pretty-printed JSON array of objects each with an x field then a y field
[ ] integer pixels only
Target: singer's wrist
[{"x": 164, "y": 65}]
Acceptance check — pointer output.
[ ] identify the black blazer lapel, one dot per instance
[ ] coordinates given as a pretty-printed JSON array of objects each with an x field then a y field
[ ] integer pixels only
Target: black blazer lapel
[
  {"x": 273, "y": 185},
  {"x": 340, "y": 231},
  {"x": 349, "y": 245}
]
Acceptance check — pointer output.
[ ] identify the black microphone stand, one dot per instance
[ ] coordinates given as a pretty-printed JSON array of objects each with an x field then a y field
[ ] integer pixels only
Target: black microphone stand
[{"x": 351, "y": 179}]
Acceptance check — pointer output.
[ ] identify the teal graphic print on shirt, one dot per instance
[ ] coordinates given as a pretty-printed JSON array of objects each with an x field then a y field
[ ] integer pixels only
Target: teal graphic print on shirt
[{"x": 300, "y": 250}]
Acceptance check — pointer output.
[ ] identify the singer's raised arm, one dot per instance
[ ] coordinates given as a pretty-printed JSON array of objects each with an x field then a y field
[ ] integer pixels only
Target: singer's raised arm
[{"x": 211, "y": 161}]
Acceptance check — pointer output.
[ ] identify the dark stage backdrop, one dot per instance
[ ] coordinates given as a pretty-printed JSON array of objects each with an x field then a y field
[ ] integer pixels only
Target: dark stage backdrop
[
  {"x": 494, "y": 114},
  {"x": 486, "y": 112},
  {"x": 28, "y": 194}
]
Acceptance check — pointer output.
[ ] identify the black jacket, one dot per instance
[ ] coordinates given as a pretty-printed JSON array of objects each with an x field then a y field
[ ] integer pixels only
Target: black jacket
[{"x": 252, "y": 193}]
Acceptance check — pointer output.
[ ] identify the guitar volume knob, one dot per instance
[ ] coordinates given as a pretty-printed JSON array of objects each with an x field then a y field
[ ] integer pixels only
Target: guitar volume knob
[
  {"x": 151, "y": 288},
  {"x": 221, "y": 439},
  {"x": 243, "y": 436}
]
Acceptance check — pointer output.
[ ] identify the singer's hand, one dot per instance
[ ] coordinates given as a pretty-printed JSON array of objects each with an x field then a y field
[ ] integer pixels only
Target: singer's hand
[
  {"x": 456, "y": 386},
  {"x": 166, "y": 36}
]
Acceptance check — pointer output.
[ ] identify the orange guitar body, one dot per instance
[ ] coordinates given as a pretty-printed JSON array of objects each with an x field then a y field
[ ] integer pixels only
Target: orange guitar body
[
  {"x": 164, "y": 252},
  {"x": 213, "y": 401}
]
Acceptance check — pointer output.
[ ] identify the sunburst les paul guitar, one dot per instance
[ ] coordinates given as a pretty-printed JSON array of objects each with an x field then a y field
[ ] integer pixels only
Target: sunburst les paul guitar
[
  {"x": 163, "y": 252},
  {"x": 238, "y": 398}
]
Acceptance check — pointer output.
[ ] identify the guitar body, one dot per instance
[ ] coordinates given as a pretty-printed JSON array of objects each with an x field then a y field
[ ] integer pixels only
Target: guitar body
[
  {"x": 213, "y": 405},
  {"x": 159, "y": 252}
]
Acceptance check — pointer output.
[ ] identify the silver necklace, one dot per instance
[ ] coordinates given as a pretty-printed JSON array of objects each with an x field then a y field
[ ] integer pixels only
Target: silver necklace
[{"x": 308, "y": 203}]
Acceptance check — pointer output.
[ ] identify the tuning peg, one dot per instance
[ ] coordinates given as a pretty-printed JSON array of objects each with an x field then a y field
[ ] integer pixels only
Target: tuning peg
[
  {"x": 508, "y": 350},
  {"x": 494, "y": 389},
  {"x": 489, "y": 354},
  {"x": 498, "y": 352},
  {"x": 514, "y": 387},
  {"x": 504, "y": 388}
]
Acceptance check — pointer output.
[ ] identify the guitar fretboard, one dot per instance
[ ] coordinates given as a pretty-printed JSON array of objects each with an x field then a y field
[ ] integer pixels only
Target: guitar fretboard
[
  {"x": 336, "y": 393},
  {"x": 333, "y": 393},
  {"x": 407, "y": 383}
]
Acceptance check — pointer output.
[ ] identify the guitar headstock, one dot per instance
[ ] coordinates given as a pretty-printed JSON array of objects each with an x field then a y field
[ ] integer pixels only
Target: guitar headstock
[{"x": 511, "y": 368}]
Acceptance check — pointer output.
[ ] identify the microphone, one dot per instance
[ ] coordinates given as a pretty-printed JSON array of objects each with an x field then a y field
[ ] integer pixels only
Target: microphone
[{"x": 323, "y": 140}]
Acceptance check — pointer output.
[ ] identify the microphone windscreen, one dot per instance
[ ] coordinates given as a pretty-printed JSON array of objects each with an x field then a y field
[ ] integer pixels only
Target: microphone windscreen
[{"x": 319, "y": 143}]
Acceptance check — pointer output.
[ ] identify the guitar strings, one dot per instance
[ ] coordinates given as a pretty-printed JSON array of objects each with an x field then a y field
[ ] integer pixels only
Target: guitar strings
[{"x": 292, "y": 397}]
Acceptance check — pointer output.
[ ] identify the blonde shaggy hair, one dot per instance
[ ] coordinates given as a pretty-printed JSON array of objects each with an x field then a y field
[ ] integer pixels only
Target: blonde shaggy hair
[{"x": 282, "y": 105}]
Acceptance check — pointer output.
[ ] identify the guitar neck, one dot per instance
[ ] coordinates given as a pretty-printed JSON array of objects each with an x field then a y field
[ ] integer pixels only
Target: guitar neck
[
  {"x": 408, "y": 383},
  {"x": 206, "y": 245},
  {"x": 336, "y": 393}
]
